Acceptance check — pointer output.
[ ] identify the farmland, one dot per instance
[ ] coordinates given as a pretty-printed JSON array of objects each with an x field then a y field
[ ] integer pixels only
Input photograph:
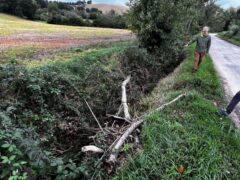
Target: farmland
[{"x": 24, "y": 39}]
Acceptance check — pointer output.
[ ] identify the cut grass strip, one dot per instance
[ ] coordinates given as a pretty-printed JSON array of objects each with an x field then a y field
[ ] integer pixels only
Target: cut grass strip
[{"x": 187, "y": 140}]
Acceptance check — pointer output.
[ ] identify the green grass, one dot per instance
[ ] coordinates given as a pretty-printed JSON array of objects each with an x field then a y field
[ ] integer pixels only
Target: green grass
[
  {"x": 188, "y": 133},
  {"x": 11, "y": 25},
  {"x": 76, "y": 54},
  {"x": 231, "y": 40}
]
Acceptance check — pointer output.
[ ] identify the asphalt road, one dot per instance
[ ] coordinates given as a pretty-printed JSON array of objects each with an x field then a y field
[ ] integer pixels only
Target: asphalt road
[{"x": 226, "y": 58}]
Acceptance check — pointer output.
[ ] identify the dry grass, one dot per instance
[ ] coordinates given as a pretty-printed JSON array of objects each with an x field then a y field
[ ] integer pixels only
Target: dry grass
[{"x": 11, "y": 25}]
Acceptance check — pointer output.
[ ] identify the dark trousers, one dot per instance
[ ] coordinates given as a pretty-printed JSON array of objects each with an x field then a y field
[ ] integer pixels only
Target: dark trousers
[{"x": 233, "y": 103}]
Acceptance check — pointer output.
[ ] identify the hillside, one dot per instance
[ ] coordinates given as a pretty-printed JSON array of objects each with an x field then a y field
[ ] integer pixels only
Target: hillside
[{"x": 105, "y": 8}]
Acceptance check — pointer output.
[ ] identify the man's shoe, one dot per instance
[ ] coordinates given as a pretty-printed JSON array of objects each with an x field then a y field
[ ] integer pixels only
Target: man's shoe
[{"x": 222, "y": 113}]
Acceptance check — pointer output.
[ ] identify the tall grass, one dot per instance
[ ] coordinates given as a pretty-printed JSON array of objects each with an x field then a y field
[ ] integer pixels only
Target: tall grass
[{"x": 187, "y": 140}]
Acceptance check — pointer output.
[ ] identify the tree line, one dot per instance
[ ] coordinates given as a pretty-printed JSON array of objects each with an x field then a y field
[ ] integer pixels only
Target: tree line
[
  {"x": 62, "y": 13},
  {"x": 232, "y": 25}
]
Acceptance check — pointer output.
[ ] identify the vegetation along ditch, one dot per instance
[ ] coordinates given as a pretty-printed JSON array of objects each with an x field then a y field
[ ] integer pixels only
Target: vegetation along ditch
[{"x": 44, "y": 117}]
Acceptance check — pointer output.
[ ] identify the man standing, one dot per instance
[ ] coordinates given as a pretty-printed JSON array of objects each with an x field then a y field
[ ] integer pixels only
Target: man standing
[
  {"x": 231, "y": 106},
  {"x": 202, "y": 47}
]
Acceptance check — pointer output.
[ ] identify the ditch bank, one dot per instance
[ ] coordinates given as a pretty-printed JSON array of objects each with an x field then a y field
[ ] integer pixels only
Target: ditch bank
[{"x": 46, "y": 113}]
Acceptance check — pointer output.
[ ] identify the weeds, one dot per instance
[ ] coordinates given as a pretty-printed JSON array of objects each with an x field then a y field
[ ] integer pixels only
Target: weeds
[{"x": 46, "y": 104}]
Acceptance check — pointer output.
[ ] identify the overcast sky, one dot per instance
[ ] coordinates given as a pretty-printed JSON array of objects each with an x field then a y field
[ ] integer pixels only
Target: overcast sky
[{"x": 223, "y": 3}]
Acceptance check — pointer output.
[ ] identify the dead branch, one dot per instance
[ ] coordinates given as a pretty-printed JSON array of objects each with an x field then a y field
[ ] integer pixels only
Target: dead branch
[
  {"x": 92, "y": 149},
  {"x": 118, "y": 118},
  {"x": 113, "y": 157},
  {"x": 62, "y": 152},
  {"x": 124, "y": 98},
  {"x": 119, "y": 110},
  {"x": 171, "y": 102},
  {"x": 94, "y": 117},
  {"x": 118, "y": 145},
  {"x": 162, "y": 106}
]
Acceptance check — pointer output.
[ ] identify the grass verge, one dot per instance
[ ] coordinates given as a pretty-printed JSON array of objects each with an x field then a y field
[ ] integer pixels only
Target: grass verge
[
  {"x": 187, "y": 140},
  {"x": 231, "y": 40}
]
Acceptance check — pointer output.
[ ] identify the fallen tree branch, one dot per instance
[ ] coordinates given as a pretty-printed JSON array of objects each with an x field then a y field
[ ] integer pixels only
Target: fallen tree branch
[
  {"x": 113, "y": 157},
  {"x": 94, "y": 117},
  {"x": 171, "y": 102},
  {"x": 124, "y": 98},
  {"x": 118, "y": 145},
  {"x": 163, "y": 106}
]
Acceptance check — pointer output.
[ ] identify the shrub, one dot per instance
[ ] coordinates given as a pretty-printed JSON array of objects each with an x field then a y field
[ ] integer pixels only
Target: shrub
[
  {"x": 71, "y": 18},
  {"x": 110, "y": 20},
  {"x": 233, "y": 30},
  {"x": 66, "y": 18},
  {"x": 161, "y": 24},
  {"x": 54, "y": 19},
  {"x": 41, "y": 14}
]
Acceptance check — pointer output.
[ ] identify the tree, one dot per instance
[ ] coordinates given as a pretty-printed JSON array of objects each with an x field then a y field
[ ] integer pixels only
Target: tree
[
  {"x": 213, "y": 17},
  {"x": 8, "y": 6},
  {"x": 162, "y": 24},
  {"x": 53, "y": 7},
  {"x": 238, "y": 14},
  {"x": 28, "y": 8},
  {"x": 42, "y": 3}
]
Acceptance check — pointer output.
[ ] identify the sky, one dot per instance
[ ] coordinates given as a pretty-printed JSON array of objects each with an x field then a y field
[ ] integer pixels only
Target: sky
[
  {"x": 224, "y": 3},
  {"x": 229, "y": 3},
  {"x": 122, "y": 2}
]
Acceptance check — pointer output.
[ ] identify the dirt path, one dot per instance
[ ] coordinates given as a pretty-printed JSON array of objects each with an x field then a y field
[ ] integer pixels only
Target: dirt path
[{"x": 226, "y": 58}]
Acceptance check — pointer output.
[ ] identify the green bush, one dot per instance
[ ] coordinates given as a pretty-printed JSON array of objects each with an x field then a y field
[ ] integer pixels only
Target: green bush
[
  {"x": 22, "y": 8},
  {"x": 110, "y": 20},
  {"x": 233, "y": 30},
  {"x": 66, "y": 18},
  {"x": 161, "y": 25},
  {"x": 41, "y": 14}
]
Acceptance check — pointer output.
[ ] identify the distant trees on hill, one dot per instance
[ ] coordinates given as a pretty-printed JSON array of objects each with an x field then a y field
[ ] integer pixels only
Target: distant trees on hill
[
  {"x": 62, "y": 13},
  {"x": 23, "y": 8}
]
